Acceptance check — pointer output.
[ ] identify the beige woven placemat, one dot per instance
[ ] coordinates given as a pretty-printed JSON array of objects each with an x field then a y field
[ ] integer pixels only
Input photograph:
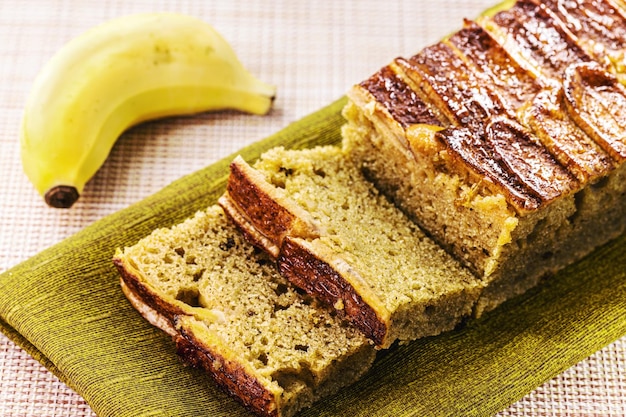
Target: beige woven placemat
[{"x": 313, "y": 51}]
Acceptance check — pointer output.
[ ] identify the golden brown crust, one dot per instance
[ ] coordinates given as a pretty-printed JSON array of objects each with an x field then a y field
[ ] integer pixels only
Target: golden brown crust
[
  {"x": 246, "y": 227},
  {"x": 273, "y": 219},
  {"x": 316, "y": 276},
  {"x": 229, "y": 375},
  {"x": 150, "y": 314},
  {"x": 142, "y": 294},
  {"x": 379, "y": 111},
  {"x": 265, "y": 211}
]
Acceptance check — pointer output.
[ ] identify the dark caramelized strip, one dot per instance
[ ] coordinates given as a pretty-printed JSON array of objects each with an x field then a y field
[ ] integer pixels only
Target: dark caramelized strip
[
  {"x": 596, "y": 101},
  {"x": 308, "y": 271},
  {"x": 599, "y": 24},
  {"x": 513, "y": 83},
  {"x": 404, "y": 105},
  {"x": 540, "y": 38},
  {"x": 529, "y": 160},
  {"x": 231, "y": 376},
  {"x": 512, "y": 159},
  {"x": 548, "y": 118},
  {"x": 453, "y": 88},
  {"x": 474, "y": 153}
]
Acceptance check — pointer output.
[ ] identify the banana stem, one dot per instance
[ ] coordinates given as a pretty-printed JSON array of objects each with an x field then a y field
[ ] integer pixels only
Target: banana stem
[{"x": 61, "y": 196}]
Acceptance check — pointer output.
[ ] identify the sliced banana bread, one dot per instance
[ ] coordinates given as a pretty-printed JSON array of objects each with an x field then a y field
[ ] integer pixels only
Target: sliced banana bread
[
  {"x": 505, "y": 141},
  {"x": 230, "y": 312},
  {"x": 337, "y": 237}
]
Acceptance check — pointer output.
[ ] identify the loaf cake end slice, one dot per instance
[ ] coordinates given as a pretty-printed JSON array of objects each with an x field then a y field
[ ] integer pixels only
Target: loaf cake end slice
[{"x": 230, "y": 312}]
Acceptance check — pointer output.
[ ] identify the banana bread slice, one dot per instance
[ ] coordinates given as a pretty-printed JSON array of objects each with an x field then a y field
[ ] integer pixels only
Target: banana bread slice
[
  {"x": 338, "y": 238},
  {"x": 505, "y": 141},
  {"x": 232, "y": 313}
]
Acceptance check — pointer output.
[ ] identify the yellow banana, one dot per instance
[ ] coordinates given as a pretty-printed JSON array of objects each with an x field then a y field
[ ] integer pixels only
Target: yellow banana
[{"x": 123, "y": 72}]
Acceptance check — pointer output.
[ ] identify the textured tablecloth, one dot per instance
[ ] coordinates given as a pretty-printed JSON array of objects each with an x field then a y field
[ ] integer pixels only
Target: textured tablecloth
[{"x": 313, "y": 51}]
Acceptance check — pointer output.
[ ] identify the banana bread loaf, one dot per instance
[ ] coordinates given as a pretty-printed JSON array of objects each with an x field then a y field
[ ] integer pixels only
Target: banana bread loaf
[
  {"x": 230, "y": 312},
  {"x": 505, "y": 141},
  {"x": 337, "y": 237}
]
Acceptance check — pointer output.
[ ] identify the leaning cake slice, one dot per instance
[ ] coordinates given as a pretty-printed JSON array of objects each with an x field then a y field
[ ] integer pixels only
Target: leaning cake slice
[
  {"x": 337, "y": 237},
  {"x": 230, "y": 312}
]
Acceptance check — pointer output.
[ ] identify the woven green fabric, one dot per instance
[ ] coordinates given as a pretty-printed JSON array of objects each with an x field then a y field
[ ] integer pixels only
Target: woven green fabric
[{"x": 65, "y": 307}]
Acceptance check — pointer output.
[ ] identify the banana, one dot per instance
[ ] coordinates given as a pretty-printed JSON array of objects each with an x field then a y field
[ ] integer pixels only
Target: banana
[{"x": 121, "y": 73}]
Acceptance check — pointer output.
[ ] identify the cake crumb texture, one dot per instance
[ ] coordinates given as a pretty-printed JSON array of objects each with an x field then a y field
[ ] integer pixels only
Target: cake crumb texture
[{"x": 240, "y": 319}]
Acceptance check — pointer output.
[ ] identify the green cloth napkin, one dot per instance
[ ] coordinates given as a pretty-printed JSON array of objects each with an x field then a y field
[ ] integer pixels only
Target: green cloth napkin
[{"x": 64, "y": 306}]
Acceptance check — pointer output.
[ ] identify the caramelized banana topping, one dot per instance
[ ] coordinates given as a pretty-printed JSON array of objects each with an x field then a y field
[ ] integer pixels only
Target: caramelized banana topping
[
  {"x": 540, "y": 38},
  {"x": 404, "y": 105}
]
